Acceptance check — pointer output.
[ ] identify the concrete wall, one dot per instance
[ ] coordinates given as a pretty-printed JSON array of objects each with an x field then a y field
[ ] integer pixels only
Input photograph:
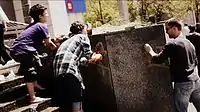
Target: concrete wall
[
  {"x": 58, "y": 19},
  {"x": 127, "y": 80},
  {"x": 7, "y": 6}
]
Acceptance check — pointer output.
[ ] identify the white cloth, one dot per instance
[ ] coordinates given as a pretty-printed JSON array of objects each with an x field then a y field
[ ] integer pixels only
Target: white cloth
[
  {"x": 3, "y": 16},
  {"x": 181, "y": 35},
  {"x": 185, "y": 30}
]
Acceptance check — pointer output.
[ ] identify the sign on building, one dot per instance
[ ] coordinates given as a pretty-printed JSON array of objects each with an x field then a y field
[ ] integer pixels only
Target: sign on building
[{"x": 75, "y": 6}]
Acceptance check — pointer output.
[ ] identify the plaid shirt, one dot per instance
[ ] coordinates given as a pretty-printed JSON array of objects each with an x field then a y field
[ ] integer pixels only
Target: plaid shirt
[{"x": 67, "y": 58}]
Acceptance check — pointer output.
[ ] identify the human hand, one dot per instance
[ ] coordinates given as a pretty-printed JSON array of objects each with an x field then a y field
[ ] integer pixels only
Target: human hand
[
  {"x": 84, "y": 60},
  {"x": 95, "y": 58},
  {"x": 147, "y": 47},
  {"x": 59, "y": 38}
]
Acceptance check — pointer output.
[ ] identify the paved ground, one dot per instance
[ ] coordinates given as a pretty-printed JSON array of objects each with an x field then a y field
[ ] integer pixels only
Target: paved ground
[{"x": 191, "y": 108}]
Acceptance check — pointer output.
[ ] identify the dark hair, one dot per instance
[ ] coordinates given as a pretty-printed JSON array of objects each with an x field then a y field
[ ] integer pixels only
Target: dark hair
[
  {"x": 76, "y": 27},
  {"x": 192, "y": 28},
  {"x": 174, "y": 23},
  {"x": 198, "y": 27},
  {"x": 37, "y": 10}
]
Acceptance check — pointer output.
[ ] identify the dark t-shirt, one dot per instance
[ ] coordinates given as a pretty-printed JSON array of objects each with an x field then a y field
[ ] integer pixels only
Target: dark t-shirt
[
  {"x": 30, "y": 39},
  {"x": 195, "y": 40},
  {"x": 183, "y": 60}
]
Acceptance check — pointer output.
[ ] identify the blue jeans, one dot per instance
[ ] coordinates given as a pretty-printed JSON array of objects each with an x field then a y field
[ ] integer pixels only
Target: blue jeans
[{"x": 186, "y": 92}]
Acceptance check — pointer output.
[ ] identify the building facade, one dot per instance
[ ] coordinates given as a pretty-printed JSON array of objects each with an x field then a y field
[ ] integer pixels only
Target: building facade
[{"x": 58, "y": 23}]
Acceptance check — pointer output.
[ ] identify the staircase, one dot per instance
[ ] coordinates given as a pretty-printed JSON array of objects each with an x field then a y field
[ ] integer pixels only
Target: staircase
[
  {"x": 13, "y": 92},
  {"x": 14, "y": 95}
]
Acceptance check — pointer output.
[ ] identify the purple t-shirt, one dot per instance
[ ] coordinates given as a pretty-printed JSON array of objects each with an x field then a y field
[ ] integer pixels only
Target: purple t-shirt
[{"x": 30, "y": 39}]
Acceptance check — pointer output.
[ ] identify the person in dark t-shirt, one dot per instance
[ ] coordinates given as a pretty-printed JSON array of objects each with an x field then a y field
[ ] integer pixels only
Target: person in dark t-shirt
[
  {"x": 194, "y": 38},
  {"x": 183, "y": 66}
]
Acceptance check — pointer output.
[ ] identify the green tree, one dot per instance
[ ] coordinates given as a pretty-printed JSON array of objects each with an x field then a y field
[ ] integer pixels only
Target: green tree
[
  {"x": 132, "y": 9},
  {"x": 197, "y": 9},
  {"x": 174, "y": 8},
  {"x": 99, "y": 12}
]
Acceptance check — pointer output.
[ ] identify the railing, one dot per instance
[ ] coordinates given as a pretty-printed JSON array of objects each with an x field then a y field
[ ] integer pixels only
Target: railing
[{"x": 14, "y": 27}]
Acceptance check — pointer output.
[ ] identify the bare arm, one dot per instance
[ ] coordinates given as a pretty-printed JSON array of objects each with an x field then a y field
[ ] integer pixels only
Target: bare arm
[
  {"x": 163, "y": 55},
  {"x": 49, "y": 43},
  {"x": 149, "y": 49}
]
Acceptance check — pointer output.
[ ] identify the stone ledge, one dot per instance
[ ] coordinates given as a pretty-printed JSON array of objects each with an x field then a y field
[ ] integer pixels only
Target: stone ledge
[
  {"x": 51, "y": 109},
  {"x": 11, "y": 82},
  {"x": 8, "y": 106},
  {"x": 6, "y": 68},
  {"x": 11, "y": 93},
  {"x": 34, "y": 107},
  {"x": 22, "y": 105}
]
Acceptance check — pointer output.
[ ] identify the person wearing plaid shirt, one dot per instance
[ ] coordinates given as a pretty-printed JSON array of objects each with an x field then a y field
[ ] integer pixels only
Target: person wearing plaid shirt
[{"x": 67, "y": 59}]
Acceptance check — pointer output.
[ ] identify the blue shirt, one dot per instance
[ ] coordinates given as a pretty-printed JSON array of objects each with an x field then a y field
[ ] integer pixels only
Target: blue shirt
[{"x": 30, "y": 39}]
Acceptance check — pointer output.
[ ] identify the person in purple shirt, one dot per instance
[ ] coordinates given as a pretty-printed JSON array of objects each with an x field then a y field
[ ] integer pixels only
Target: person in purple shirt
[{"x": 25, "y": 48}]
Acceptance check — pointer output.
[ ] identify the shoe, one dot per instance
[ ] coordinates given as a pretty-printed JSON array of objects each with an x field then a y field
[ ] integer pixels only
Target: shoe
[
  {"x": 37, "y": 100},
  {"x": 10, "y": 62},
  {"x": 11, "y": 74}
]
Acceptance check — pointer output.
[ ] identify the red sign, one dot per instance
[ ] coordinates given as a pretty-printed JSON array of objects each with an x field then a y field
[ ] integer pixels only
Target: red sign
[{"x": 69, "y": 6}]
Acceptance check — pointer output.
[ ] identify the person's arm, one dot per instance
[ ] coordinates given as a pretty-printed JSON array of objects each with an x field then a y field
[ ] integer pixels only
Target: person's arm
[
  {"x": 46, "y": 37},
  {"x": 163, "y": 55},
  {"x": 87, "y": 52},
  {"x": 49, "y": 43},
  {"x": 149, "y": 49}
]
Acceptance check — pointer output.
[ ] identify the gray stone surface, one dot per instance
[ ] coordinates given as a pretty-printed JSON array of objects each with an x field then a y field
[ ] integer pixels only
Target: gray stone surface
[
  {"x": 127, "y": 80},
  {"x": 139, "y": 85}
]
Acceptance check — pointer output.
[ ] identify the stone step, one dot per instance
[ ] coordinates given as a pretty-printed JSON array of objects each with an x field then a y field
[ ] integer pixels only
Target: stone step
[
  {"x": 37, "y": 107},
  {"x": 22, "y": 104},
  {"x": 11, "y": 105},
  {"x": 51, "y": 109},
  {"x": 14, "y": 66},
  {"x": 10, "y": 82},
  {"x": 12, "y": 93}
]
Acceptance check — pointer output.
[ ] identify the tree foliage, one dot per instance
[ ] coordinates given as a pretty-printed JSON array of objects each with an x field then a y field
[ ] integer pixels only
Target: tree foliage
[
  {"x": 138, "y": 9},
  {"x": 173, "y": 8},
  {"x": 99, "y": 12}
]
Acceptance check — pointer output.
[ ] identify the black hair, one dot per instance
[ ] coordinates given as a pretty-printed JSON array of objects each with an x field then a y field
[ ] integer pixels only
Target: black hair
[
  {"x": 37, "y": 10},
  {"x": 198, "y": 27},
  {"x": 192, "y": 28},
  {"x": 174, "y": 23},
  {"x": 76, "y": 27}
]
